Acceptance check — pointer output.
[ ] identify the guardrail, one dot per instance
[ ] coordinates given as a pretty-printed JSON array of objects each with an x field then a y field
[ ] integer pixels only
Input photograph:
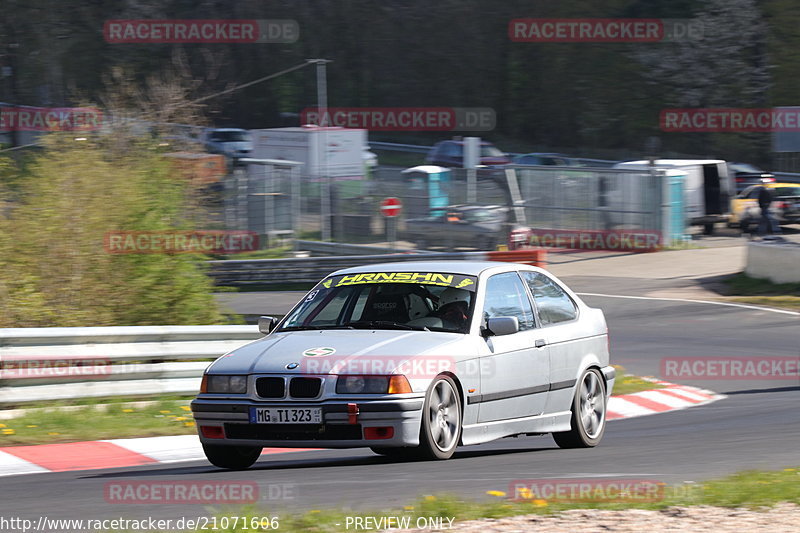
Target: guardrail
[
  {"x": 343, "y": 248},
  {"x": 243, "y": 272},
  {"x": 43, "y": 364}
]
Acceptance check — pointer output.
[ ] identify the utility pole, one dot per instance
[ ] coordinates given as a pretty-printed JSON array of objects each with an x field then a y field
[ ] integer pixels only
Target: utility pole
[{"x": 325, "y": 180}]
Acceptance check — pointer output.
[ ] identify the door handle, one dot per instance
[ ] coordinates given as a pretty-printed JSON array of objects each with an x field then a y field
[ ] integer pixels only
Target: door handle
[{"x": 540, "y": 343}]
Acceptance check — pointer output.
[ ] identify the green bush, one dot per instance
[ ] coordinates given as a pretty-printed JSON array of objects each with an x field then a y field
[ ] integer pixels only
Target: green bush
[{"x": 54, "y": 270}]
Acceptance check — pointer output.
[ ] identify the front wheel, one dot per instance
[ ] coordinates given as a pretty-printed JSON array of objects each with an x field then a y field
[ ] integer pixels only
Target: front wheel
[
  {"x": 588, "y": 418},
  {"x": 440, "y": 430},
  {"x": 232, "y": 457}
]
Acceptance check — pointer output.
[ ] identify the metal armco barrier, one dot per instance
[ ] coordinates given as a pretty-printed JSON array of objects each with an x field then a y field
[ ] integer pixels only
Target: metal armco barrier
[
  {"x": 42, "y": 364},
  {"x": 312, "y": 269}
]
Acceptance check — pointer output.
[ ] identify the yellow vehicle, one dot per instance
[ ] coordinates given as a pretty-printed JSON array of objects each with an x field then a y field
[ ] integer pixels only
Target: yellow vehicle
[{"x": 785, "y": 205}]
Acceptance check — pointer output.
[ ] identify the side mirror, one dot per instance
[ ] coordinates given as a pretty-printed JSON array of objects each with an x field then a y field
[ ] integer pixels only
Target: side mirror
[
  {"x": 502, "y": 325},
  {"x": 266, "y": 324}
]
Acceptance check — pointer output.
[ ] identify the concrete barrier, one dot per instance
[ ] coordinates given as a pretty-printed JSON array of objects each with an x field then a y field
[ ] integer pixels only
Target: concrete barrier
[{"x": 776, "y": 261}]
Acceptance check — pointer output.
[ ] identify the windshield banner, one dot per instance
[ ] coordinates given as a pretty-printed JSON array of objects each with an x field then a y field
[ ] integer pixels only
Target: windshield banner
[{"x": 458, "y": 281}]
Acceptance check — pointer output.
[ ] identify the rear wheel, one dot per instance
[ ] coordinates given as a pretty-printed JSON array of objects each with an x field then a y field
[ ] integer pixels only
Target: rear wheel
[
  {"x": 708, "y": 229},
  {"x": 232, "y": 457},
  {"x": 440, "y": 430},
  {"x": 588, "y": 413}
]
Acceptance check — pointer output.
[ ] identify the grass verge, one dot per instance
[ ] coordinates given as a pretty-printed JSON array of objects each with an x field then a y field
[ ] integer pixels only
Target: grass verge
[
  {"x": 756, "y": 291},
  {"x": 750, "y": 489},
  {"x": 628, "y": 384},
  {"x": 53, "y": 423}
]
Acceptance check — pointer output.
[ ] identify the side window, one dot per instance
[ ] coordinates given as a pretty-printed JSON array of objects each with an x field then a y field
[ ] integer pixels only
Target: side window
[
  {"x": 554, "y": 305},
  {"x": 506, "y": 296}
]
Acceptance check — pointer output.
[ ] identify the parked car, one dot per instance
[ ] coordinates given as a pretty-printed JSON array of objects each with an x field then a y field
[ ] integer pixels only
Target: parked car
[
  {"x": 413, "y": 359},
  {"x": 545, "y": 160},
  {"x": 451, "y": 154},
  {"x": 230, "y": 142},
  {"x": 745, "y": 211},
  {"x": 746, "y": 175},
  {"x": 474, "y": 226}
]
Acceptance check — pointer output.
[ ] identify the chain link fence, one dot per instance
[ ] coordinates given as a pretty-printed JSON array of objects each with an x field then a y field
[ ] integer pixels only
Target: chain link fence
[{"x": 276, "y": 201}]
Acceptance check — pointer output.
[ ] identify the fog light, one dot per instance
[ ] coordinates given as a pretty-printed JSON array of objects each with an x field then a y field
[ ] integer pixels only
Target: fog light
[
  {"x": 378, "y": 433},
  {"x": 212, "y": 432}
]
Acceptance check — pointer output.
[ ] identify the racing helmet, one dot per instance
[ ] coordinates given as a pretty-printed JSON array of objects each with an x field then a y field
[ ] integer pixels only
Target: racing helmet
[{"x": 451, "y": 295}]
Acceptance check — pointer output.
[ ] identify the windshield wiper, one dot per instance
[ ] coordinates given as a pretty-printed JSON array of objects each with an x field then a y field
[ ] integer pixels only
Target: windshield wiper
[{"x": 384, "y": 324}]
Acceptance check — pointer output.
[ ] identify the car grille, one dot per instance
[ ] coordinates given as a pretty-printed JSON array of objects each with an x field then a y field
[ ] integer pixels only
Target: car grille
[
  {"x": 271, "y": 387},
  {"x": 304, "y": 387},
  {"x": 291, "y": 432}
]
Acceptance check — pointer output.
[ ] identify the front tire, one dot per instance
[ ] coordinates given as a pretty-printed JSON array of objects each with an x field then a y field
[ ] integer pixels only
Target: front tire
[
  {"x": 440, "y": 430},
  {"x": 588, "y": 418},
  {"x": 232, "y": 457}
]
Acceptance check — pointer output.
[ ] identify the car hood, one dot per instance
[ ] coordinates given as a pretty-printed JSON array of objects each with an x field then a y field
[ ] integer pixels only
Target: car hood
[{"x": 345, "y": 352}]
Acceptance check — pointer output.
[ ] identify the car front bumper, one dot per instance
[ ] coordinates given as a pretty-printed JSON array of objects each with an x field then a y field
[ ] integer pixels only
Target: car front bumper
[{"x": 340, "y": 428}]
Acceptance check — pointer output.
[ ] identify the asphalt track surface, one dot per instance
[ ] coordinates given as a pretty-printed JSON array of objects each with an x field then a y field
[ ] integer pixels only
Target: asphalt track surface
[{"x": 756, "y": 426}]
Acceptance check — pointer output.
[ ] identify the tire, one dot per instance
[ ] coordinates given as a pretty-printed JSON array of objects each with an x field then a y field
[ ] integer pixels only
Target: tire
[
  {"x": 232, "y": 457},
  {"x": 422, "y": 244},
  {"x": 440, "y": 430},
  {"x": 708, "y": 229},
  {"x": 588, "y": 418}
]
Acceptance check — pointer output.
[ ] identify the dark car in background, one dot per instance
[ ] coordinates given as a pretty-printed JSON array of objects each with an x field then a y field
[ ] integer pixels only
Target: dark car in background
[
  {"x": 451, "y": 154},
  {"x": 745, "y": 175},
  {"x": 542, "y": 159},
  {"x": 461, "y": 226}
]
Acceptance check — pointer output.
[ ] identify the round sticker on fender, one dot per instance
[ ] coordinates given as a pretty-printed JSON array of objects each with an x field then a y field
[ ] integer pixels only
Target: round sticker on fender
[{"x": 318, "y": 352}]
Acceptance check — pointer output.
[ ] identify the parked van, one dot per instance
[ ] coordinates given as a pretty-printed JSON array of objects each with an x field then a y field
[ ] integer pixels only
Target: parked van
[{"x": 708, "y": 188}]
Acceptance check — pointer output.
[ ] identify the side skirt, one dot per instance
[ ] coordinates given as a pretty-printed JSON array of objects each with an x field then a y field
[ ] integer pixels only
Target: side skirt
[{"x": 488, "y": 431}]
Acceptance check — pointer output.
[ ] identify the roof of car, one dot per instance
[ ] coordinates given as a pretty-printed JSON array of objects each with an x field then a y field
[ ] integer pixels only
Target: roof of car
[{"x": 468, "y": 268}]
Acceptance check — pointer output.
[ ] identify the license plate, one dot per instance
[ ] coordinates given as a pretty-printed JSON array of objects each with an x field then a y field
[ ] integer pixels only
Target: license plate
[{"x": 286, "y": 415}]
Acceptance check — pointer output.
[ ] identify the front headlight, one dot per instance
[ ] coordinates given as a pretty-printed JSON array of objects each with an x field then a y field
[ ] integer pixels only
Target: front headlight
[
  {"x": 394, "y": 384},
  {"x": 362, "y": 384},
  {"x": 226, "y": 384}
]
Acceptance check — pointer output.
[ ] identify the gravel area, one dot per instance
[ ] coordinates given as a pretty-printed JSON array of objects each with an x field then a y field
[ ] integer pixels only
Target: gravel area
[{"x": 782, "y": 518}]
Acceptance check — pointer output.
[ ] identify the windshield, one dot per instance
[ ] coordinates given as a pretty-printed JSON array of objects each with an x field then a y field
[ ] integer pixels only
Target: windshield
[
  {"x": 387, "y": 300},
  {"x": 491, "y": 151},
  {"x": 230, "y": 136},
  {"x": 787, "y": 191}
]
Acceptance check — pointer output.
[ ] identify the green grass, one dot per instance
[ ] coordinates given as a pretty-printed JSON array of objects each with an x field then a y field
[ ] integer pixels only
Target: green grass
[
  {"x": 628, "y": 384},
  {"x": 87, "y": 422},
  {"x": 751, "y": 489},
  {"x": 756, "y": 291}
]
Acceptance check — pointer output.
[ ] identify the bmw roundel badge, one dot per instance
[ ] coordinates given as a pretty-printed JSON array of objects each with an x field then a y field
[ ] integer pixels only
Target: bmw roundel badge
[{"x": 292, "y": 366}]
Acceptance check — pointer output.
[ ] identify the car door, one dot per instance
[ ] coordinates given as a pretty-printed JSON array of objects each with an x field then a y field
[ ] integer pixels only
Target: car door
[
  {"x": 515, "y": 372},
  {"x": 567, "y": 345}
]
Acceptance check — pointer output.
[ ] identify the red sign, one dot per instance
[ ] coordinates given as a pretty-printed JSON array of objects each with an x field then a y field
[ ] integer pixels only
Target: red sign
[{"x": 391, "y": 207}]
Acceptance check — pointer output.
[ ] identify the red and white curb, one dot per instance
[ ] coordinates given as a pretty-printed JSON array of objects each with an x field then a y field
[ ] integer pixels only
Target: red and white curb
[
  {"x": 116, "y": 453},
  {"x": 671, "y": 398}
]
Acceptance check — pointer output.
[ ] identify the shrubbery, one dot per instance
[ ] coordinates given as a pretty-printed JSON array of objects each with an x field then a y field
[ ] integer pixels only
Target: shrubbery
[{"x": 54, "y": 270}]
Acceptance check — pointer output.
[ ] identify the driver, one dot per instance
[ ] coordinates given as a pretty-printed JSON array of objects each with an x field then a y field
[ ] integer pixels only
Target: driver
[{"x": 454, "y": 307}]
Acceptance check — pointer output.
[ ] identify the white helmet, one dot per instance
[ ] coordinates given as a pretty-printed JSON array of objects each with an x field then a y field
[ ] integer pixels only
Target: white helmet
[{"x": 451, "y": 294}]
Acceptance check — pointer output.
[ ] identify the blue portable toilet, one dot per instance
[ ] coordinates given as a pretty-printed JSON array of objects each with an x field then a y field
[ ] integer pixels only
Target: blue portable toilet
[{"x": 429, "y": 190}]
